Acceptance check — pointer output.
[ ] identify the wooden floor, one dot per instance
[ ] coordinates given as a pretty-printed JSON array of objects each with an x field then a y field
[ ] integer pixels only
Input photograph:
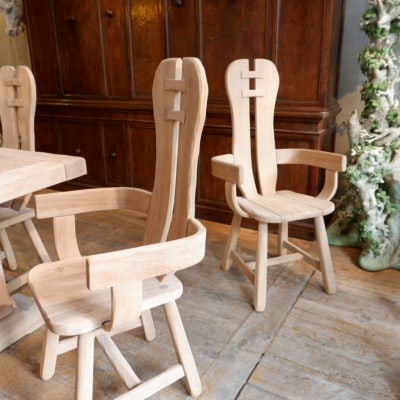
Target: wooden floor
[{"x": 306, "y": 345}]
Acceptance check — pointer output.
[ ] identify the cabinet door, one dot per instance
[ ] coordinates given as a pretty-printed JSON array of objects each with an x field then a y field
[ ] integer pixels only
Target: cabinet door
[
  {"x": 82, "y": 138},
  {"x": 231, "y": 30},
  {"x": 46, "y": 138},
  {"x": 149, "y": 42},
  {"x": 116, "y": 154},
  {"x": 142, "y": 136},
  {"x": 78, "y": 37},
  {"x": 116, "y": 45}
]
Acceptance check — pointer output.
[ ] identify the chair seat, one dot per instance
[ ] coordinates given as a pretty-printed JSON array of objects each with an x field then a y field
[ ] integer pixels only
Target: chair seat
[
  {"x": 285, "y": 206},
  {"x": 70, "y": 308},
  {"x": 10, "y": 217}
]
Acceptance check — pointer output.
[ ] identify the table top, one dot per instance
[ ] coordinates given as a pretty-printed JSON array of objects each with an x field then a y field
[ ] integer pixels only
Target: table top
[{"x": 23, "y": 172}]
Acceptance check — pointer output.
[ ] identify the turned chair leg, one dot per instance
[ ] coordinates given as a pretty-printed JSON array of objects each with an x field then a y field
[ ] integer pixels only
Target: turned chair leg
[
  {"x": 283, "y": 234},
  {"x": 49, "y": 354},
  {"x": 182, "y": 349},
  {"x": 260, "y": 278},
  {"x": 84, "y": 367},
  {"x": 328, "y": 276},
  {"x": 148, "y": 325},
  {"x": 232, "y": 241}
]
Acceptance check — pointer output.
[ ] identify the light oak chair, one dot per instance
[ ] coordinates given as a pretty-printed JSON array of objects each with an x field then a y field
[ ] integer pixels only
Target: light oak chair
[
  {"x": 17, "y": 113},
  {"x": 97, "y": 296},
  {"x": 261, "y": 201}
]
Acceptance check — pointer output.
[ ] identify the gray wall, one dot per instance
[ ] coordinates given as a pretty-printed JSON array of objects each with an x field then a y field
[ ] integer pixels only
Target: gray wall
[{"x": 350, "y": 76}]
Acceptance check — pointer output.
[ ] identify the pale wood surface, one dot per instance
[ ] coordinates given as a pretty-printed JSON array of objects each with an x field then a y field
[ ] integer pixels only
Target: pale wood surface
[
  {"x": 22, "y": 172},
  {"x": 306, "y": 345},
  {"x": 257, "y": 85}
]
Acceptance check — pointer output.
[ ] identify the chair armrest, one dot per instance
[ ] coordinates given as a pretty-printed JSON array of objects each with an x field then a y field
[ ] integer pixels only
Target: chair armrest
[
  {"x": 223, "y": 167},
  {"x": 118, "y": 267},
  {"x": 314, "y": 158},
  {"x": 61, "y": 204}
]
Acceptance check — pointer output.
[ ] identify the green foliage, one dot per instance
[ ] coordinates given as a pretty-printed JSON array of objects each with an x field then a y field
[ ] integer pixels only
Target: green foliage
[
  {"x": 385, "y": 200},
  {"x": 393, "y": 117},
  {"x": 368, "y": 236},
  {"x": 395, "y": 26}
]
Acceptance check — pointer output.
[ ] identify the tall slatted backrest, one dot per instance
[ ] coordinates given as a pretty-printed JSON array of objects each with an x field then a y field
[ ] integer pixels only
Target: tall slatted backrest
[
  {"x": 242, "y": 84},
  {"x": 17, "y": 111},
  {"x": 179, "y": 100},
  {"x": 166, "y": 93},
  {"x": 193, "y": 105}
]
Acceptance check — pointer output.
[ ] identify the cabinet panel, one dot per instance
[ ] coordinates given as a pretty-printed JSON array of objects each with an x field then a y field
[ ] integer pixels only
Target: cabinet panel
[
  {"x": 142, "y": 137},
  {"x": 81, "y": 138},
  {"x": 78, "y": 39},
  {"x": 46, "y": 138},
  {"x": 116, "y": 154},
  {"x": 231, "y": 30},
  {"x": 181, "y": 20},
  {"x": 298, "y": 47},
  {"x": 42, "y": 46},
  {"x": 149, "y": 42},
  {"x": 116, "y": 47}
]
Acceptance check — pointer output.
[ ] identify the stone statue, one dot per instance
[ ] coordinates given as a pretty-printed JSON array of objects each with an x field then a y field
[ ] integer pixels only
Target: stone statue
[
  {"x": 13, "y": 11},
  {"x": 368, "y": 213}
]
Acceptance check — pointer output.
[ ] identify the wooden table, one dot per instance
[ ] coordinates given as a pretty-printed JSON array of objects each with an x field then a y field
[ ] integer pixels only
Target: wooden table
[{"x": 23, "y": 172}]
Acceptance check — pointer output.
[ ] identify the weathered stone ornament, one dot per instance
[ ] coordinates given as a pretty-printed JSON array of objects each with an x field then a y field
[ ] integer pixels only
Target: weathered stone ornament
[
  {"x": 13, "y": 12},
  {"x": 368, "y": 213}
]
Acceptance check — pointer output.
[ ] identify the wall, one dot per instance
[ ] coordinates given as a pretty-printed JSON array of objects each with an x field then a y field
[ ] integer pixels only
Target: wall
[
  {"x": 350, "y": 76},
  {"x": 13, "y": 50}
]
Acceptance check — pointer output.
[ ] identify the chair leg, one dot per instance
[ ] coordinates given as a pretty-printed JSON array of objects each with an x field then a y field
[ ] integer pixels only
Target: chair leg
[
  {"x": 148, "y": 325},
  {"x": 260, "y": 279},
  {"x": 232, "y": 241},
  {"x": 328, "y": 276},
  {"x": 84, "y": 367},
  {"x": 8, "y": 251},
  {"x": 283, "y": 234},
  {"x": 49, "y": 354},
  {"x": 182, "y": 348},
  {"x": 36, "y": 240}
]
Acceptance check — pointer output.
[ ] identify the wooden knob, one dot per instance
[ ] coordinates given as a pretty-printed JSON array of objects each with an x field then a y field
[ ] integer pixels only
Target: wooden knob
[
  {"x": 113, "y": 154},
  {"x": 109, "y": 13}
]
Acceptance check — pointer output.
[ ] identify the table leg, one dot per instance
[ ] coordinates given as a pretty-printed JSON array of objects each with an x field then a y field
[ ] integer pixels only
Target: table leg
[{"x": 7, "y": 305}]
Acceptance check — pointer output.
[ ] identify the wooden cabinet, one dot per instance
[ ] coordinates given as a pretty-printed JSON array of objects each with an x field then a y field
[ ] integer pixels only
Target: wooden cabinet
[{"x": 94, "y": 63}]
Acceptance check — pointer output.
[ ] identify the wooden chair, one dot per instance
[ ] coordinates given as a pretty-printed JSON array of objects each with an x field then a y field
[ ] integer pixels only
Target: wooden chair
[
  {"x": 96, "y": 296},
  {"x": 261, "y": 201},
  {"x": 17, "y": 113}
]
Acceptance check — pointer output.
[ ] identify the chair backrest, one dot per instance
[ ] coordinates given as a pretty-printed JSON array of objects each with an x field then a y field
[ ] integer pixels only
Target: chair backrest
[
  {"x": 17, "y": 112},
  {"x": 260, "y": 83},
  {"x": 17, "y": 107},
  {"x": 180, "y": 93}
]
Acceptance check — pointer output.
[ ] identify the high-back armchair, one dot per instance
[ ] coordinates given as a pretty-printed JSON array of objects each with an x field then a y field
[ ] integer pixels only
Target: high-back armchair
[
  {"x": 93, "y": 297},
  {"x": 259, "y": 199}
]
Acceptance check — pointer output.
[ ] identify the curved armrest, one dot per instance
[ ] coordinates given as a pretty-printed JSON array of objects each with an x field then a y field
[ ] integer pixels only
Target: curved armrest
[
  {"x": 314, "y": 158},
  {"x": 61, "y": 204},
  {"x": 223, "y": 167},
  {"x": 118, "y": 267}
]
